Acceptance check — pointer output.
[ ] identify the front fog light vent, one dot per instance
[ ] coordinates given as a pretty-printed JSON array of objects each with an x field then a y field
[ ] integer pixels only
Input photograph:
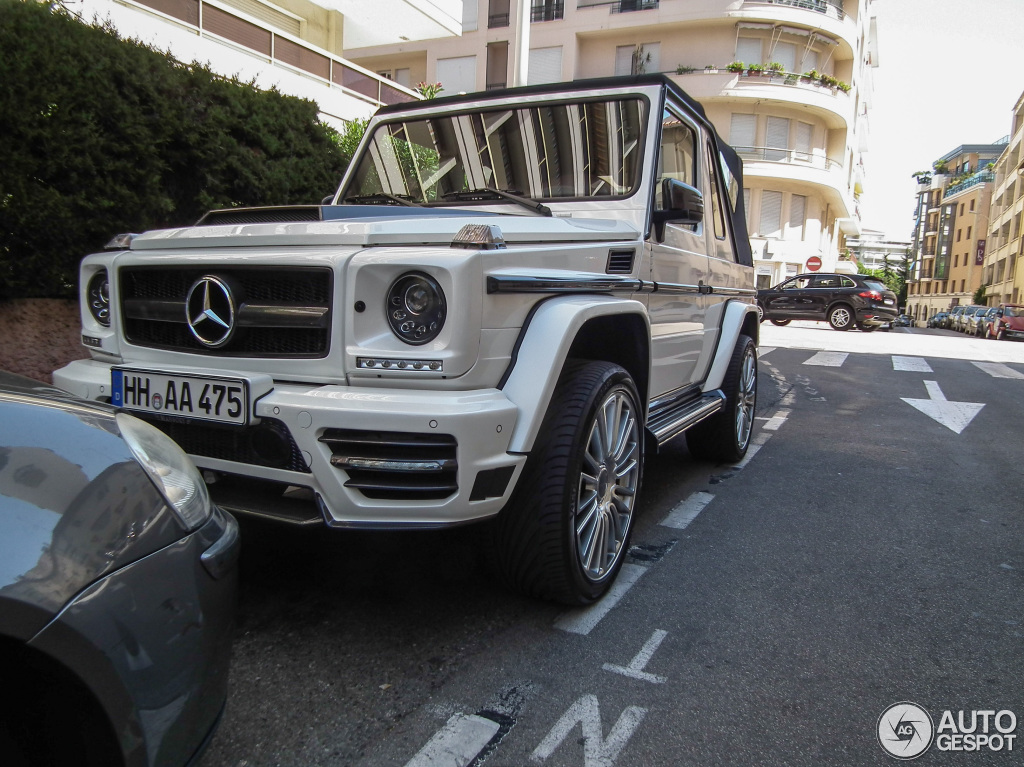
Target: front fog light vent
[
  {"x": 416, "y": 308},
  {"x": 98, "y": 298}
]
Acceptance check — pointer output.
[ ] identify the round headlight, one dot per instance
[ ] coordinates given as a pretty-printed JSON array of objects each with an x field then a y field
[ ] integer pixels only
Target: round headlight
[
  {"x": 98, "y": 298},
  {"x": 416, "y": 308}
]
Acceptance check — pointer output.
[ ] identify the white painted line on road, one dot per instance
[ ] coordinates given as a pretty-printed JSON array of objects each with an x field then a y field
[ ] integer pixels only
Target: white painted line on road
[
  {"x": 777, "y": 420},
  {"x": 635, "y": 669},
  {"x": 911, "y": 364},
  {"x": 763, "y": 350},
  {"x": 583, "y": 620},
  {"x": 687, "y": 511},
  {"x": 457, "y": 743},
  {"x": 755, "y": 445},
  {"x": 828, "y": 359},
  {"x": 598, "y": 751},
  {"x": 998, "y": 370}
]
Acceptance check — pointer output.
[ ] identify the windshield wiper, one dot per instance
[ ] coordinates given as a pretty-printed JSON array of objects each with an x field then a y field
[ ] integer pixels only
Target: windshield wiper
[
  {"x": 379, "y": 198},
  {"x": 486, "y": 192}
]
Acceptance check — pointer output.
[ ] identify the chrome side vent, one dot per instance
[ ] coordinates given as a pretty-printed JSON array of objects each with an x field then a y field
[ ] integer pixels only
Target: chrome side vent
[
  {"x": 395, "y": 465},
  {"x": 620, "y": 262}
]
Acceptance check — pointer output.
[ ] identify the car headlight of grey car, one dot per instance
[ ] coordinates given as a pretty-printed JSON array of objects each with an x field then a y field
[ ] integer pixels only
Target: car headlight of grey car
[{"x": 171, "y": 470}]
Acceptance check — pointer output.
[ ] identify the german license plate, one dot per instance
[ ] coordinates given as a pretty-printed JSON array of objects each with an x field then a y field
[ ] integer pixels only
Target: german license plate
[{"x": 204, "y": 397}]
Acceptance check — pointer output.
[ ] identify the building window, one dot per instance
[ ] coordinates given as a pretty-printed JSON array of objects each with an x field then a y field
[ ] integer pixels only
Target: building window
[
  {"x": 969, "y": 228},
  {"x": 962, "y": 283},
  {"x": 771, "y": 214},
  {"x": 637, "y": 59},
  {"x": 777, "y": 139},
  {"x": 457, "y": 74},
  {"x": 547, "y": 10},
  {"x": 545, "y": 66},
  {"x": 961, "y": 209},
  {"x": 972, "y": 209},
  {"x": 748, "y": 50},
  {"x": 785, "y": 54},
  {"x": 497, "y": 65},
  {"x": 958, "y": 233},
  {"x": 743, "y": 132},
  {"x": 797, "y": 216},
  {"x": 497, "y": 13}
]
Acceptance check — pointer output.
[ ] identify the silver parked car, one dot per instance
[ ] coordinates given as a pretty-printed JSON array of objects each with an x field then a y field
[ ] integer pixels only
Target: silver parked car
[{"x": 118, "y": 581}]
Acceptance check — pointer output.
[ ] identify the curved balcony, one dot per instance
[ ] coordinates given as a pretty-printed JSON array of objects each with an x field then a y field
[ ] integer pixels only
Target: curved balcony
[
  {"x": 826, "y": 175},
  {"x": 827, "y": 16},
  {"x": 833, "y": 106}
]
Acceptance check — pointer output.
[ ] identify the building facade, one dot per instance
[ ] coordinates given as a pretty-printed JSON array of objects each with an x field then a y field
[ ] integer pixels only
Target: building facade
[
  {"x": 951, "y": 229},
  {"x": 797, "y": 109},
  {"x": 873, "y": 250},
  {"x": 1002, "y": 273},
  {"x": 296, "y": 46}
]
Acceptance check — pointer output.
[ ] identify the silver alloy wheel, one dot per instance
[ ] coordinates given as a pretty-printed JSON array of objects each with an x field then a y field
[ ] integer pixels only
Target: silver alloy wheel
[
  {"x": 609, "y": 479},
  {"x": 840, "y": 317},
  {"x": 746, "y": 400}
]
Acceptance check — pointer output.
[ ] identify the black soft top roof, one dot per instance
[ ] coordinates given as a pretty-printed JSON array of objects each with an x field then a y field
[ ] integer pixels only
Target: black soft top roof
[{"x": 739, "y": 221}]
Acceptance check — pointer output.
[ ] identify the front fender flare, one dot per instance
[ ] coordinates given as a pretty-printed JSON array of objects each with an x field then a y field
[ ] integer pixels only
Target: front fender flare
[{"x": 542, "y": 353}]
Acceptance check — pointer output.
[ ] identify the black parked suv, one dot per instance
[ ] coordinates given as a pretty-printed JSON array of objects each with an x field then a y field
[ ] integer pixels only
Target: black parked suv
[{"x": 842, "y": 300}]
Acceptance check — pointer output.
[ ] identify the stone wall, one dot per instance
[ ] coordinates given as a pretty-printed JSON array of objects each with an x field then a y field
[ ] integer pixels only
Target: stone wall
[{"x": 39, "y": 335}]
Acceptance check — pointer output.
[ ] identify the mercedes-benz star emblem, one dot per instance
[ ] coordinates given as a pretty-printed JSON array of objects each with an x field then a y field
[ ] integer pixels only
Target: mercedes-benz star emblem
[{"x": 210, "y": 311}]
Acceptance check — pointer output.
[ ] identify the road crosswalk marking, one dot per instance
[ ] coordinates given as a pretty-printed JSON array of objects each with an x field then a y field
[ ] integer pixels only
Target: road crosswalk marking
[
  {"x": 998, "y": 370},
  {"x": 828, "y": 359},
  {"x": 911, "y": 364}
]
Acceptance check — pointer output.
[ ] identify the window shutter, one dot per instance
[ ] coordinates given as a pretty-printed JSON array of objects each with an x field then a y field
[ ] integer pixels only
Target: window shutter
[
  {"x": 742, "y": 131},
  {"x": 797, "y": 212},
  {"x": 771, "y": 214},
  {"x": 624, "y": 59},
  {"x": 748, "y": 50},
  {"x": 545, "y": 66},
  {"x": 777, "y": 138},
  {"x": 804, "y": 132},
  {"x": 457, "y": 75},
  {"x": 785, "y": 54}
]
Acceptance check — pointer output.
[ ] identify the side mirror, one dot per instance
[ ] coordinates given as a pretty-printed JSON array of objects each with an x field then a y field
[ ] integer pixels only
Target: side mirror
[{"x": 683, "y": 204}]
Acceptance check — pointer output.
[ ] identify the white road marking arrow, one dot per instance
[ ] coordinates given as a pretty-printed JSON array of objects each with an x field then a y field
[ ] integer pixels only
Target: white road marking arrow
[{"x": 952, "y": 415}]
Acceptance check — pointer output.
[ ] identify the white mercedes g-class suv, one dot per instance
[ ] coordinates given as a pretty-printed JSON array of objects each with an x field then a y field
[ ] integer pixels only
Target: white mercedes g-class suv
[{"x": 511, "y": 297}]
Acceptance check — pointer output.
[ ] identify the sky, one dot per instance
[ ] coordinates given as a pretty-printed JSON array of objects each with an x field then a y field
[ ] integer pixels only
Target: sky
[{"x": 950, "y": 73}]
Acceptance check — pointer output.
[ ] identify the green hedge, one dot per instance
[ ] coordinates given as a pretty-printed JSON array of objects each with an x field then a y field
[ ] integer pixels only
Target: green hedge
[{"x": 99, "y": 135}]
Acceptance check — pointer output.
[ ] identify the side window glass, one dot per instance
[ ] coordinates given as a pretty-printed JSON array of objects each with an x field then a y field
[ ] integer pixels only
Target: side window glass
[
  {"x": 678, "y": 154},
  {"x": 717, "y": 206},
  {"x": 848, "y": 283}
]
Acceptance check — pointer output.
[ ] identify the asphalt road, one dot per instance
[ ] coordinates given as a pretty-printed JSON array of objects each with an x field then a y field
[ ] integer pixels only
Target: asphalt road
[{"x": 868, "y": 552}]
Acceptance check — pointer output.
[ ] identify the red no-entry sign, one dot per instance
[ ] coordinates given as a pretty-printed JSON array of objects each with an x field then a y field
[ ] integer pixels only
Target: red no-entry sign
[{"x": 813, "y": 264}]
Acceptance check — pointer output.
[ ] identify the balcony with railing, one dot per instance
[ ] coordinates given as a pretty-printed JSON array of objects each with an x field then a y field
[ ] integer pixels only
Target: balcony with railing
[
  {"x": 960, "y": 185},
  {"x": 619, "y": 6},
  {"x": 787, "y": 156},
  {"x": 545, "y": 10},
  {"x": 828, "y": 8},
  {"x": 217, "y": 24}
]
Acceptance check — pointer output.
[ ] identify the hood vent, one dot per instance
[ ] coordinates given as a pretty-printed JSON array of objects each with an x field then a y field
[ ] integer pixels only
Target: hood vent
[
  {"x": 274, "y": 215},
  {"x": 620, "y": 262}
]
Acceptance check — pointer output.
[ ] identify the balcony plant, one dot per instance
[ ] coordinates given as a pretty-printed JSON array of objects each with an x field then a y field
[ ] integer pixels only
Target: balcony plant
[
  {"x": 685, "y": 70},
  {"x": 828, "y": 81},
  {"x": 737, "y": 67},
  {"x": 755, "y": 70},
  {"x": 776, "y": 68},
  {"x": 710, "y": 69},
  {"x": 810, "y": 76}
]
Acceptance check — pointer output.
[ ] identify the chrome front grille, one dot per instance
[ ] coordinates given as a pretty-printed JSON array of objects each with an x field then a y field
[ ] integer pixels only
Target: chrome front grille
[
  {"x": 395, "y": 465},
  {"x": 281, "y": 313}
]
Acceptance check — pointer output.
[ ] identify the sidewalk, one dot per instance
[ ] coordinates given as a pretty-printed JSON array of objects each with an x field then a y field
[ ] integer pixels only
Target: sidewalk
[{"x": 910, "y": 342}]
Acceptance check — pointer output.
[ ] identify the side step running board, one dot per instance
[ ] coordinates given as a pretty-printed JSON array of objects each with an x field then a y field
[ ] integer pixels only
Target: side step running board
[{"x": 672, "y": 421}]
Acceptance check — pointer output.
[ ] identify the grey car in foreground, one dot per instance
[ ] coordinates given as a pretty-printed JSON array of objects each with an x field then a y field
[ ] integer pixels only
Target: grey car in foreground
[{"x": 118, "y": 584}]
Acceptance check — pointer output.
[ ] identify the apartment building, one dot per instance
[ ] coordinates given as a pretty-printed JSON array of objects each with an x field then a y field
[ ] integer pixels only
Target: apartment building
[
  {"x": 951, "y": 229},
  {"x": 296, "y": 46},
  {"x": 1002, "y": 273},
  {"x": 797, "y": 109},
  {"x": 874, "y": 250}
]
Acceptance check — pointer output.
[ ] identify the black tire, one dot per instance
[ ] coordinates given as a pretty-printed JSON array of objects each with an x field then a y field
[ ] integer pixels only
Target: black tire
[
  {"x": 548, "y": 539},
  {"x": 781, "y": 323},
  {"x": 725, "y": 436},
  {"x": 841, "y": 317},
  {"x": 865, "y": 328}
]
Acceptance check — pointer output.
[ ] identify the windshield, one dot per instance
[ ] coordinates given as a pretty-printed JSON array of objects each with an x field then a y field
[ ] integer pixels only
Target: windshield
[
  {"x": 550, "y": 152},
  {"x": 1013, "y": 311}
]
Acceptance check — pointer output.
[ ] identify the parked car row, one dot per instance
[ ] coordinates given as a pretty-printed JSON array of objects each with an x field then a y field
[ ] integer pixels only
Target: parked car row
[
  {"x": 996, "y": 322},
  {"x": 843, "y": 301}
]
